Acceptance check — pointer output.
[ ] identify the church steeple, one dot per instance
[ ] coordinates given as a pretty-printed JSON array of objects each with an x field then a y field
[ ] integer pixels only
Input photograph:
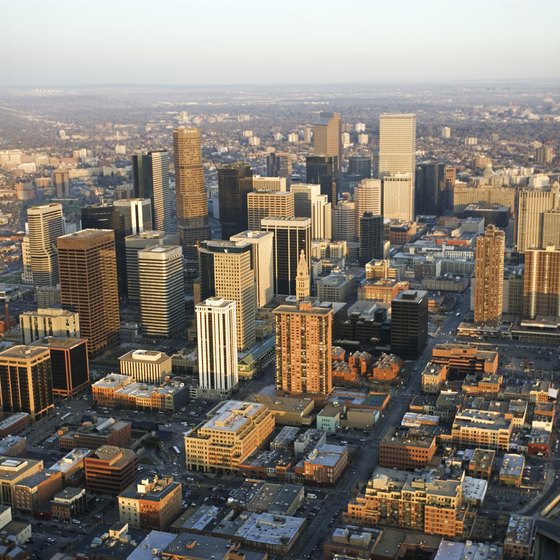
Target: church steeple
[{"x": 302, "y": 278}]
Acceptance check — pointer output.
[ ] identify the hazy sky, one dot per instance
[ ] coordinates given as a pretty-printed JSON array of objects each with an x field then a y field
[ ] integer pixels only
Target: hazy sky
[{"x": 75, "y": 42}]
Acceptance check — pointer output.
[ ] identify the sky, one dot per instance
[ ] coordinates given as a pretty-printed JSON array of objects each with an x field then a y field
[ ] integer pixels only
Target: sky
[{"x": 46, "y": 43}]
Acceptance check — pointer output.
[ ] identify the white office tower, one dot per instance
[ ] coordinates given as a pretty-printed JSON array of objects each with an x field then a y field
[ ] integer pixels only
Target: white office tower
[
  {"x": 367, "y": 198},
  {"x": 137, "y": 214},
  {"x": 161, "y": 193},
  {"x": 397, "y": 144},
  {"x": 162, "y": 290},
  {"x": 46, "y": 224},
  {"x": 398, "y": 197},
  {"x": 27, "y": 273},
  {"x": 269, "y": 184},
  {"x": 262, "y": 249},
  {"x": 310, "y": 203},
  {"x": 217, "y": 347}
]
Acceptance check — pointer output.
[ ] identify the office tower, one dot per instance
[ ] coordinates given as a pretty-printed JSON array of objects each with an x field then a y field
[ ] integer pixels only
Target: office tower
[
  {"x": 303, "y": 349},
  {"x": 88, "y": 285},
  {"x": 450, "y": 177},
  {"x": 269, "y": 184},
  {"x": 532, "y": 205},
  {"x": 133, "y": 243},
  {"x": 372, "y": 238},
  {"x": 150, "y": 176},
  {"x": 489, "y": 276},
  {"x": 27, "y": 273},
  {"x": 551, "y": 228},
  {"x": 397, "y": 144},
  {"x": 429, "y": 189},
  {"x": 261, "y": 205},
  {"x": 291, "y": 236},
  {"x": 105, "y": 216},
  {"x": 398, "y": 197},
  {"x": 359, "y": 165},
  {"x": 368, "y": 198},
  {"x": 61, "y": 182},
  {"x": 234, "y": 184},
  {"x": 344, "y": 221},
  {"x": 69, "y": 364},
  {"x": 137, "y": 214},
  {"x": 192, "y": 201},
  {"x": 263, "y": 262},
  {"x": 409, "y": 324},
  {"x": 327, "y": 137},
  {"x": 322, "y": 170},
  {"x": 541, "y": 284},
  {"x": 310, "y": 203},
  {"x": 226, "y": 271},
  {"x": 303, "y": 284},
  {"x": 46, "y": 224},
  {"x": 48, "y": 322},
  {"x": 544, "y": 155},
  {"x": 26, "y": 381},
  {"x": 146, "y": 366},
  {"x": 110, "y": 470},
  {"x": 162, "y": 290},
  {"x": 216, "y": 335},
  {"x": 279, "y": 164}
]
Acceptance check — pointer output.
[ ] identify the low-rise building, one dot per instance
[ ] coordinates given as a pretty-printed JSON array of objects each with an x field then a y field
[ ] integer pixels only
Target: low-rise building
[
  {"x": 433, "y": 377},
  {"x": 511, "y": 470},
  {"x": 351, "y": 542},
  {"x": 463, "y": 359},
  {"x": 14, "y": 424},
  {"x": 480, "y": 464},
  {"x": 14, "y": 470},
  {"x": 91, "y": 435},
  {"x": 518, "y": 543},
  {"x": 109, "y": 470},
  {"x": 36, "y": 490},
  {"x": 481, "y": 428},
  {"x": 13, "y": 446},
  {"x": 387, "y": 367},
  {"x": 407, "y": 448},
  {"x": 451, "y": 550},
  {"x": 324, "y": 465},
  {"x": 146, "y": 366},
  {"x": 70, "y": 503}
]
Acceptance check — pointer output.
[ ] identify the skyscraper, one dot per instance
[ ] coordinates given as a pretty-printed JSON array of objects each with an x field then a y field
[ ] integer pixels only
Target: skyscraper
[
  {"x": 398, "y": 197},
  {"x": 322, "y": 170},
  {"x": 541, "y": 283},
  {"x": 397, "y": 144},
  {"x": 192, "y": 201},
  {"x": 279, "y": 164},
  {"x": 489, "y": 276},
  {"x": 359, "y": 165},
  {"x": 429, "y": 189},
  {"x": 303, "y": 284},
  {"x": 409, "y": 323},
  {"x": 310, "y": 203},
  {"x": 291, "y": 236},
  {"x": 218, "y": 373},
  {"x": 88, "y": 285},
  {"x": 137, "y": 214},
  {"x": 263, "y": 262},
  {"x": 371, "y": 238},
  {"x": 303, "y": 349},
  {"x": 46, "y": 223},
  {"x": 26, "y": 381},
  {"x": 345, "y": 227},
  {"x": 61, "y": 181},
  {"x": 234, "y": 184},
  {"x": 261, "y": 205},
  {"x": 368, "y": 198},
  {"x": 150, "y": 176},
  {"x": 226, "y": 271},
  {"x": 327, "y": 137},
  {"x": 162, "y": 290}
]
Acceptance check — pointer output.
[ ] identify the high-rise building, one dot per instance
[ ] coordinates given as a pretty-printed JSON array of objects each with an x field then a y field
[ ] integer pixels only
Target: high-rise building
[
  {"x": 541, "y": 284},
  {"x": 532, "y": 205},
  {"x": 192, "y": 201},
  {"x": 48, "y": 322},
  {"x": 234, "y": 184},
  {"x": 162, "y": 290},
  {"x": 261, "y": 205},
  {"x": 61, "y": 182},
  {"x": 263, "y": 262},
  {"x": 397, "y": 144},
  {"x": 269, "y": 184},
  {"x": 359, "y": 165},
  {"x": 279, "y": 164},
  {"x": 88, "y": 285},
  {"x": 327, "y": 136},
  {"x": 109, "y": 470},
  {"x": 429, "y": 189},
  {"x": 323, "y": 170},
  {"x": 344, "y": 221},
  {"x": 489, "y": 276},
  {"x": 146, "y": 366},
  {"x": 150, "y": 176},
  {"x": 409, "y": 324},
  {"x": 46, "y": 224},
  {"x": 137, "y": 214},
  {"x": 303, "y": 283},
  {"x": 218, "y": 374},
  {"x": 551, "y": 228},
  {"x": 398, "y": 197},
  {"x": 291, "y": 236},
  {"x": 26, "y": 381},
  {"x": 372, "y": 238},
  {"x": 226, "y": 271},
  {"x": 133, "y": 244},
  {"x": 368, "y": 198},
  {"x": 544, "y": 155},
  {"x": 303, "y": 349},
  {"x": 310, "y": 203},
  {"x": 69, "y": 364}
]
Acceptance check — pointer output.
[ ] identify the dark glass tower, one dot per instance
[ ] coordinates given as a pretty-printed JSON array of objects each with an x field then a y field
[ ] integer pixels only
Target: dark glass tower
[
  {"x": 234, "y": 183},
  {"x": 430, "y": 189},
  {"x": 371, "y": 237},
  {"x": 322, "y": 170},
  {"x": 409, "y": 324},
  {"x": 360, "y": 165}
]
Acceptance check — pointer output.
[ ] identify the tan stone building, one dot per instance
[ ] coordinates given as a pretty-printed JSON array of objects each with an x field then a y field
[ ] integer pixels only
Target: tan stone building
[{"x": 277, "y": 204}]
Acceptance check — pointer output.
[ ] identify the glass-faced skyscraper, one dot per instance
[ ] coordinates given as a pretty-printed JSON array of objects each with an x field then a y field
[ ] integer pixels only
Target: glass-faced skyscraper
[
  {"x": 235, "y": 182},
  {"x": 192, "y": 201}
]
